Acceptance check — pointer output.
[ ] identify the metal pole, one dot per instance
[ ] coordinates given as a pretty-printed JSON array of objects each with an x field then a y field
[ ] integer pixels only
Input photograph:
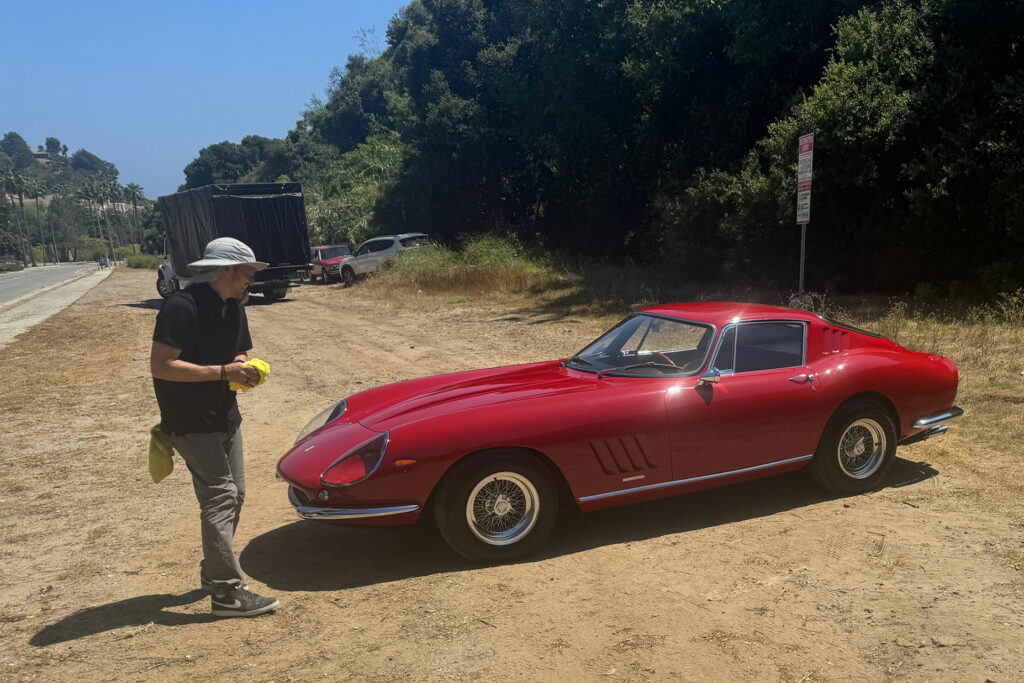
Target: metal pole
[{"x": 803, "y": 242}]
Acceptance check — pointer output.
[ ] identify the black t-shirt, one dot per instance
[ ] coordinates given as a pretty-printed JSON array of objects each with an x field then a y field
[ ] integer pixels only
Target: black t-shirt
[{"x": 208, "y": 331}]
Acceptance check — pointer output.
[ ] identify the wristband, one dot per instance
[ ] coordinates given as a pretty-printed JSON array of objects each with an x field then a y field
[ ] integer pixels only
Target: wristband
[{"x": 223, "y": 373}]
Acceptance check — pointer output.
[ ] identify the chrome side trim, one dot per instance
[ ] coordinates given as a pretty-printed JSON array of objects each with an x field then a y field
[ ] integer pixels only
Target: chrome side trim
[
  {"x": 936, "y": 419},
  {"x": 313, "y": 512},
  {"x": 678, "y": 482}
]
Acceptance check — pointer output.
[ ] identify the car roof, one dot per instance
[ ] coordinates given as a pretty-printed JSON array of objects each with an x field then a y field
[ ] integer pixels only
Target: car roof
[
  {"x": 327, "y": 246},
  {"x": 720, "y": 313},
  {"x": 400, "y": 236}
]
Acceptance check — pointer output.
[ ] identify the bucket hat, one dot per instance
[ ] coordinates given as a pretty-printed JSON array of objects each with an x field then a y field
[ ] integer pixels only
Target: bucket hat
[{"x": 227, "y": 251}]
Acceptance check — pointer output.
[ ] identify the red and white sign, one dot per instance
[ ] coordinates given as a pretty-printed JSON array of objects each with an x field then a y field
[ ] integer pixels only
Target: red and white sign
[{"x": 805, "y": 169}]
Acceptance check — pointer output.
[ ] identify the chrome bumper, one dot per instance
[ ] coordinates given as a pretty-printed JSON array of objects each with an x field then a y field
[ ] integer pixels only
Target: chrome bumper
[
  {"x": 315, "y": 512},
  {"x": 932, "y": 426}
]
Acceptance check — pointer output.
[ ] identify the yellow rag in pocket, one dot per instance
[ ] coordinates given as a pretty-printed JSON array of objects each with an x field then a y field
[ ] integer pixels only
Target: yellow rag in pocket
[
  {"x": 262, "y": 366},
  {"x": 161, "y": 454}
]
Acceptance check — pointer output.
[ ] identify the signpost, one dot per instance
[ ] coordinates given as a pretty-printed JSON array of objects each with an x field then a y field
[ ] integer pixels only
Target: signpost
[{"x": 805, "y": 161}]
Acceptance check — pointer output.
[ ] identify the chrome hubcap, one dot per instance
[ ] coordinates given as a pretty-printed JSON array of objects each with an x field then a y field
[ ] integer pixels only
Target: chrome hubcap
[
  {"x": 862, "y": 449},
  {"x": 502, "y": 508}
]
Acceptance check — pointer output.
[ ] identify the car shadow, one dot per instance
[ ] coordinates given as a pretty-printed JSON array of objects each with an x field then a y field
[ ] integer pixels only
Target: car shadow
[
  {"x": 314, "y": 556},
  {"x": 138, "y": 611},
  {"x": 152, "y": 304}
]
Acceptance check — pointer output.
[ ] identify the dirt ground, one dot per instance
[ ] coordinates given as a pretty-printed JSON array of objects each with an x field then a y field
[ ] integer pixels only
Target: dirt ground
[{"x": 772, "y": 580}]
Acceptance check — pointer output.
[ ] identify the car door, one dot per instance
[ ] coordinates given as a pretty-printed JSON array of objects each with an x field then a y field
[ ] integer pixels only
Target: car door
[
  {"x": 379, "y": 252},
  {"x": 360, "y": 259},
  {"x": 316, "y": 264},
  {"x": 765, "y": 408}
]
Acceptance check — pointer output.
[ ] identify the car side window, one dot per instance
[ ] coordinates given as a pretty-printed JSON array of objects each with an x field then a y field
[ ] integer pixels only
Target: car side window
[
  {"x": 766, "y": 346},
  {"x": 380, "y": 245},
  {"x": 363, "y": 249},
  {"x": 725, "y": 358}
]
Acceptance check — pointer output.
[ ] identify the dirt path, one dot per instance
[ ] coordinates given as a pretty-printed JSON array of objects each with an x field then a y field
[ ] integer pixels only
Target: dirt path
[{"x": 771, "y": 580}]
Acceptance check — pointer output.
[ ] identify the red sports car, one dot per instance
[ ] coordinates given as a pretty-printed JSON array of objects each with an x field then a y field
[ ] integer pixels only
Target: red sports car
[{"x": 673, "y": 399}]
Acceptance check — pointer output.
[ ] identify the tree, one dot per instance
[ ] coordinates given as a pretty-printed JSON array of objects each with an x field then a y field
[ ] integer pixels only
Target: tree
[
  {"x": 53, "y": 148},
  {"x": 15, "y": 147}
]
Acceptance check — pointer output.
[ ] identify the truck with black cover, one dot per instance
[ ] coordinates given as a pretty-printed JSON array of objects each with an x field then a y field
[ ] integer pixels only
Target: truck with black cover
[{"x": 269, "y": 217}]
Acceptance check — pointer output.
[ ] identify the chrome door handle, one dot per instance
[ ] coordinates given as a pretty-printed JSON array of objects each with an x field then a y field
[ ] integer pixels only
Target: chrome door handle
[{"x": 803, "y": 379}]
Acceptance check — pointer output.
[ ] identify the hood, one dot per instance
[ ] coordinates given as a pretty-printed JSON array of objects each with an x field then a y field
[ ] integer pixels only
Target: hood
[
  {"x": 335, "y": 260},
  {"x": 394, "y": 404}
]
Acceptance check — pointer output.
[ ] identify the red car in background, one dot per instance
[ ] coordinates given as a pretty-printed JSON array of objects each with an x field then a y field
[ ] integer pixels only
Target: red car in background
[
  {"x": 675, "y": 398},
  {"x": 325, "y": 261}
]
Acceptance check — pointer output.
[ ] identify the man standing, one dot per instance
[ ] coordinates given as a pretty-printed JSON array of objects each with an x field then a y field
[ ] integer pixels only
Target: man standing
[{"x": 200, "y": 344}]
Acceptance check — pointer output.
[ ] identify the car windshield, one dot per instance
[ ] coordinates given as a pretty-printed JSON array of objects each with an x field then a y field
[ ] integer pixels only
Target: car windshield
[
  {"x": 334, "y": 252},
  {"x": 660, "y": 346}
]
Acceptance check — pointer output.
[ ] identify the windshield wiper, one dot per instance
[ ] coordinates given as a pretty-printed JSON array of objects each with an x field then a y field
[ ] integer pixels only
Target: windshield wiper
[
  {"x": 648, "y": 364},
  {"x": 577, "y": 359}
]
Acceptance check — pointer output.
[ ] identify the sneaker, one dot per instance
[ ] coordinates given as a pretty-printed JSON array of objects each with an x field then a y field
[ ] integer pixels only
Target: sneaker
[{"x": 241, "y": 603}]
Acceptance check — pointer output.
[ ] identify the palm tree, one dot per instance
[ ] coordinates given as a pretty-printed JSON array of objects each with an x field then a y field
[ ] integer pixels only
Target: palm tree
[
  {"x": 12, "y": 183},
  {"x": 135, "y": 195},
  {"x": 19, "y": 186},
  {"x": 34, "y": 190}
]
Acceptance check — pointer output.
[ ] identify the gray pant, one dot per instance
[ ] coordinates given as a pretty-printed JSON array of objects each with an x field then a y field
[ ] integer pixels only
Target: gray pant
[{"x": 218, "y": 476}]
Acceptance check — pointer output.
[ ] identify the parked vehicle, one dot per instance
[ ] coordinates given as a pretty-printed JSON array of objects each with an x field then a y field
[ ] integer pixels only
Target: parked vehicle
[
  {"x": 269, "y": 217},
  {"x": 325, "y": 261},
  {"x": 374, "y": 253},
  {"x": 675, "y": 398}
]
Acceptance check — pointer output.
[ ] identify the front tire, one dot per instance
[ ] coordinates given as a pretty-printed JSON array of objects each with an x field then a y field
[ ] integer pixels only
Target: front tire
[
  {"x": 496, "y": 508},
  {"x": 163, "y": 287},
  {"x": 348, "y": 277},
  {"x": 857, "y": 449}
]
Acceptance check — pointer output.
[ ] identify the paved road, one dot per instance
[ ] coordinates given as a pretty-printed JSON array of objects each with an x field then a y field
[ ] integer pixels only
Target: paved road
[{"x": 13, "y": 285}]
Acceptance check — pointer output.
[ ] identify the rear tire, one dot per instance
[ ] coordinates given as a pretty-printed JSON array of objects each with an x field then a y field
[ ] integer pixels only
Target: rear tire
[
  {"x": 857, "y": 449},
  {"x": 279, "y": 293},
  {"x": 496, "y": 507}
]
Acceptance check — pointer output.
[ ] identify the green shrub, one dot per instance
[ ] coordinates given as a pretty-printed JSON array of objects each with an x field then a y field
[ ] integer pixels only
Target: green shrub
[
  {"x": 144, "y": 261},
  {"x": 482, "y": 264},
  {"x": 11, "y": 267}
]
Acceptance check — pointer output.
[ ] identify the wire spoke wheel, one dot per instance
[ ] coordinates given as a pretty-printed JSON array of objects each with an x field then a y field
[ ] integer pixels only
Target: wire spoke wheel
[
  {"x": 502, "y": 508},
  {"x": 862, "y": 448}
]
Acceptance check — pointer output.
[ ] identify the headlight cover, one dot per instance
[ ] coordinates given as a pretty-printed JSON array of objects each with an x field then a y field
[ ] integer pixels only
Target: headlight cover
[
  {"x": 357, "y": 464},
  {"x": 323, "y": 419}
]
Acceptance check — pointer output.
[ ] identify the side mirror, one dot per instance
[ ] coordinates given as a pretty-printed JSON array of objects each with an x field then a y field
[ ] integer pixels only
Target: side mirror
[{"x": 712, "y": 376}]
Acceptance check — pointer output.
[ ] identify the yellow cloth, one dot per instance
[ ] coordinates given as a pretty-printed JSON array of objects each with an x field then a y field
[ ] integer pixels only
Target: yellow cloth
[
  {"x": 161, "y": 454},
  {"x": 262, "y": 366}
]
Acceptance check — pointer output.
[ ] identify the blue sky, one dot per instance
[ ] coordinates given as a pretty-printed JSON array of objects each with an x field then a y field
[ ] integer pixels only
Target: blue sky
[{"x": 146, "y": 85}]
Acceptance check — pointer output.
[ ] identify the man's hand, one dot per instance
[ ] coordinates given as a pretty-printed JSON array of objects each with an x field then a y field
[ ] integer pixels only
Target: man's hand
[{"x": 243, "y": 374}]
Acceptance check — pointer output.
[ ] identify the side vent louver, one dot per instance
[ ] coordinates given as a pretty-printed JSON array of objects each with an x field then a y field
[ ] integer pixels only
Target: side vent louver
[{"x": 622, "y": 455}]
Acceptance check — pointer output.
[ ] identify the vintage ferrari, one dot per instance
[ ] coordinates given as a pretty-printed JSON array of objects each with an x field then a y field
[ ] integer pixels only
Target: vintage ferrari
[{"x": 674, "y": 398}]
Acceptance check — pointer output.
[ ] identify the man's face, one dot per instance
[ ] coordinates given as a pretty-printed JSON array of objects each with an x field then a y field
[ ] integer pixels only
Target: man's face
[{"x": 238, "y": 279}]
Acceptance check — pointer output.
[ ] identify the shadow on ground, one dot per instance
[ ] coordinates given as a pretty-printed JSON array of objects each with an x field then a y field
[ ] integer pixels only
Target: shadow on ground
[
  {"x": 138, "y": 611},
  {"x": 314, "y": 556},
  {"x": 151, "y": 304}
]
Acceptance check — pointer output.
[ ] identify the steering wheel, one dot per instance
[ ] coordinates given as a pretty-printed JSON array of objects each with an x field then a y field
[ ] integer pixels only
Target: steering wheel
[
  {"x": 691, "y": 365},
  {"x": 667, "y": 359}
]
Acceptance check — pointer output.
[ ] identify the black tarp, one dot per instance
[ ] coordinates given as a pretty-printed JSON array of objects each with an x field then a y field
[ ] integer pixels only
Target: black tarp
[{"x": 269, "y": 217}]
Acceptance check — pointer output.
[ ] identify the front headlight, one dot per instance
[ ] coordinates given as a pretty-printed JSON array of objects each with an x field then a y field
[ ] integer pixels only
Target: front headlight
[
  {"x": 323, "y": 419},
  {"x": 357, "y": 464}
]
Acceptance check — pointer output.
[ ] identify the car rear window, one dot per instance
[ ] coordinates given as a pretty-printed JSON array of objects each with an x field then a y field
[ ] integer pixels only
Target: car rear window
[{"x": 415, "y": 241}]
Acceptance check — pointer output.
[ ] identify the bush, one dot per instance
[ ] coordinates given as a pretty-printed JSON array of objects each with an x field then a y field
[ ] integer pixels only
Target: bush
[
  {"x": 11, "y": 267},
  {"x": 144, "y": 261},
  {"x": 484, "y": 264},
  {"x": 126, "y": 251}
]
